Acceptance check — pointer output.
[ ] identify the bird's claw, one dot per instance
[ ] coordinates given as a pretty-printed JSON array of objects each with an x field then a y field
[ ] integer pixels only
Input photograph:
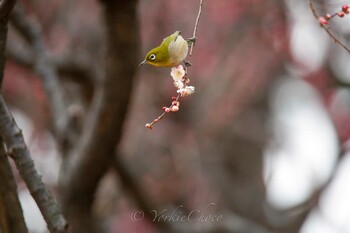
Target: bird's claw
[
  {"x": 191, "y": 40},
  {"x": 187, "y": 63}
]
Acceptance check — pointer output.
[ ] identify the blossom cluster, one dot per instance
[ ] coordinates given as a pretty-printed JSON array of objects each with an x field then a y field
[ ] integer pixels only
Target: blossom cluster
[
  {"x": 181, "y": 80},
  {"x": 324, "y": 20}
]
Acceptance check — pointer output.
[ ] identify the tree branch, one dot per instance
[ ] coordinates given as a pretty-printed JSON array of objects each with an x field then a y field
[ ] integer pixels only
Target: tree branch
[
  {"x": 12, "y": 219},
  {"x": 6, "y": 7},
  {"x": 45, "y": 69},
  {"x": 9, "y": 197},
  {"x": 71, "y": 65},
  {"x": 335, "y": 39},
  {"x": 196, "y": 25},
  {"x": 102, "y": 130},
  {"x": 18, "y": 150}
]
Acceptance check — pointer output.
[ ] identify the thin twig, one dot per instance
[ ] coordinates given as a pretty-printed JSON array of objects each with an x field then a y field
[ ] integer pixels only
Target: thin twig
[
  {"x": 150, "y": 125},
  {"x": 196, "y": 25},
  {"x": 335, "y": 39}
]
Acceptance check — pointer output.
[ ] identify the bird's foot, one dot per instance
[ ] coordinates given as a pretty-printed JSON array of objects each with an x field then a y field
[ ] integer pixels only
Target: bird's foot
[
  {"x": 187, "y": 63},
  {"x": 191, "y": 40}
]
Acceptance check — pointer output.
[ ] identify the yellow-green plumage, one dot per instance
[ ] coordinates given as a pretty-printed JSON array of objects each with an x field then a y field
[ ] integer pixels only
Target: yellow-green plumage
[{"x": 171, "y": 52}]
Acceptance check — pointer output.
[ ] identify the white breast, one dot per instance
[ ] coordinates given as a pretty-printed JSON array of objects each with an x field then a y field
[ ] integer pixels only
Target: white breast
[{"x": 178, "y": 50}]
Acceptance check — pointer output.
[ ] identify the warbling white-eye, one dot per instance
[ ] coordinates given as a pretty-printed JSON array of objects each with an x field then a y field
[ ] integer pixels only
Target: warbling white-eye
[{"x": 171, "y": 52}]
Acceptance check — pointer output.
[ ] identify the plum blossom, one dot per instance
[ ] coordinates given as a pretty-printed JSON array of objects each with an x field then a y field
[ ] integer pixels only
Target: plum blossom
[
  {"x": 186, "y": 91},
  {"x": 178, "y": 84},
  {"x": 177, "y": 73}
]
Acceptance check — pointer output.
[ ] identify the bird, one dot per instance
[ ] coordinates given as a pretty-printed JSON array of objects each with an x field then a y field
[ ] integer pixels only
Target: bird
[{"x": 170, "y": 53}]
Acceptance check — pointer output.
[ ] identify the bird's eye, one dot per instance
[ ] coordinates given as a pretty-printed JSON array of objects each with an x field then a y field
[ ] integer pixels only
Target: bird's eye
[{"x": 152, "y": 57}]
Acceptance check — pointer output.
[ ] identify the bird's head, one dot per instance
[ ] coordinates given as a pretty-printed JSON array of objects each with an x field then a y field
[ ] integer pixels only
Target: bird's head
[{"x": 158, "y": 56}]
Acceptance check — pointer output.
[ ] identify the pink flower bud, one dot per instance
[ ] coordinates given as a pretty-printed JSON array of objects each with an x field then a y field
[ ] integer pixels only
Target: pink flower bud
[
  {"x": 148, "y": 126},
  {"x": 345, "y": 9},
  {"x": 167, "y": 110},
  {"x": 341, "y": 14},
  {"x": 322, "y": 21},
  {"x": 175, "y": 103}
]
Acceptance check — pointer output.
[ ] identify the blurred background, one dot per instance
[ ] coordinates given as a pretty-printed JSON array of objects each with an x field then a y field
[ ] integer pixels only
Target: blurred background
[{"x": 262, "y": 145}]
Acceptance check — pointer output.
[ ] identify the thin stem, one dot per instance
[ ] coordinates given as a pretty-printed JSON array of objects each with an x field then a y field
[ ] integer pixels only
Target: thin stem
[
  {"x": 336, "y": 40},
  {"x": 150, "y": 125},
  {"x": 196, "y": 24}
]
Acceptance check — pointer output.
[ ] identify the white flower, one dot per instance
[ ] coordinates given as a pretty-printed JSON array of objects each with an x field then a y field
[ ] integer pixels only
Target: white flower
[
  {"x": 188, "y": 90},
  {"x": 177, "y": 73},
  {"x": 178, "y": 84}
]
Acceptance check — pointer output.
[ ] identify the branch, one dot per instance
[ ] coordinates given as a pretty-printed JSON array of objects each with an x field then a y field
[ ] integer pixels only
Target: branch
[
  {"x": 46, "y": 71},
  {"x": 196, "y": 25},
  {"x": 71, "y": 65},
  {"x": 335, "y": 39},
  {"x": 19, "y": 152},
  {"x": 75, "y": 66},
  {"x": 6, "y": 7},
  {"x": 12, "y": 219},
  {"x": 102, "y": 131},
  {"x": 9, "y": 196}
]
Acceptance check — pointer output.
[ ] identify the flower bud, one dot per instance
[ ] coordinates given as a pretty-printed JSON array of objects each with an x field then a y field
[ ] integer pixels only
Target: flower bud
[
  {"x": 322, "y": 21},
  {"x": 175, "y": 108}
]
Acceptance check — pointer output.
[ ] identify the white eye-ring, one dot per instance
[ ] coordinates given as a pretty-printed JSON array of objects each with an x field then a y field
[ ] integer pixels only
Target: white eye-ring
[{"x": 152, "y": 57}]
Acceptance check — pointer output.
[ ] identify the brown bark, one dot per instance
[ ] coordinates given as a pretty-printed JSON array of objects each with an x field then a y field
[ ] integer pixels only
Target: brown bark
[
  {"x": 16, "y": 147},
  {"x": 103, "y": 126},
  {"x": 11, "y": 214}
]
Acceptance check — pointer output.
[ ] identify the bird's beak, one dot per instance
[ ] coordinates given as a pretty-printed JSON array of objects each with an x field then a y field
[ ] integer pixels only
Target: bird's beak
[{"x": 143, "y": 62}]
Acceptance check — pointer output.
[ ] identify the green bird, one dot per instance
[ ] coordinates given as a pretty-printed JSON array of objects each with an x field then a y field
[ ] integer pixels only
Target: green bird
[{"x": 171, "y": 52}]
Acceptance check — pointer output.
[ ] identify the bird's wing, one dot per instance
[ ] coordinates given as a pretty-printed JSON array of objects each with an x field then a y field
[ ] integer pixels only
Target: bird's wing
[{"x": 176, "y": 34}]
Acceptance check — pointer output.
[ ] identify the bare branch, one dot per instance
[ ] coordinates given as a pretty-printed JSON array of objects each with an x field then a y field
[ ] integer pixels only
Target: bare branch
[
  {"x": 196, "y": 25},
  {"x": 335, "y": 39},
  {"x": 9, "y": 196},
  {"x": 71, "y": 66},
  {"x": 75, "y": 66},
  {"x": 102, "y": 130},
  {"x": 45, "y": 69},
  {"x": 12, "y": 219},
  {"x": 18, "y": 150},
  {"x": 5, "y": 9}
]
